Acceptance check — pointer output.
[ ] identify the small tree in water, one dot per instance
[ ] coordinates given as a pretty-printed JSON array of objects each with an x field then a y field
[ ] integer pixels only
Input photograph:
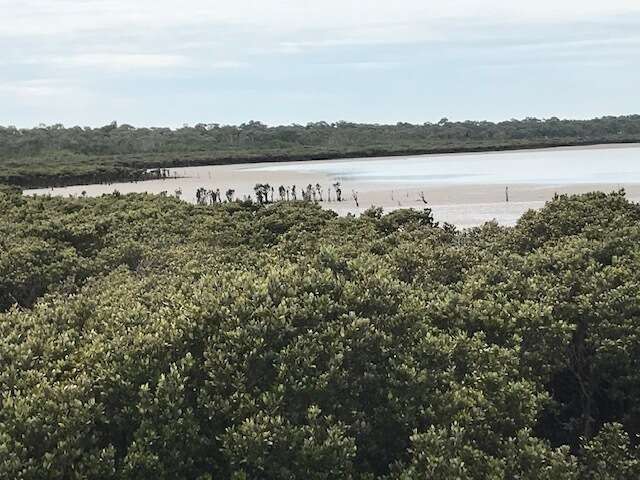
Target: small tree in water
[
  {"x": 262, "y": 192},
  {"x": 258, "y": 190},
  {"x": 337, "y": 186},
  {"x": 201, "y": 196}
]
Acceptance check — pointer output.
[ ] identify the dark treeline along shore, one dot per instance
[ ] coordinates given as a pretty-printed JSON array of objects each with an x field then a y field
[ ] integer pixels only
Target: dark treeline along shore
[
  {"x": 142, "y": 337},
  {"x": 56, "y": 156}
]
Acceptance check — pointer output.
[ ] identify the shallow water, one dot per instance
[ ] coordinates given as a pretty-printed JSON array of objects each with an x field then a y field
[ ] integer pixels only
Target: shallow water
[
  {"x": 463, "y": 189},
  {"x": 613, "y": 164}
]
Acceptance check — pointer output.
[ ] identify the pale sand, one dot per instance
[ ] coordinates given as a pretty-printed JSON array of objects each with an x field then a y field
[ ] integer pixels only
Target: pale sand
[
  {"x": 472, "y": 205},
  {"x": 461, "y": 204}
]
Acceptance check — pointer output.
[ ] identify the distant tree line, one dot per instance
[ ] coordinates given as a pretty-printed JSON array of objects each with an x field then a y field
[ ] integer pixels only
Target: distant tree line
[{"x": 56, "y": 155}]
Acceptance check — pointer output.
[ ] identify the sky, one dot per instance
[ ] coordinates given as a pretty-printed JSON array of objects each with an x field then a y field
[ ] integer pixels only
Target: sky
[{"x": 169, "y": 63}]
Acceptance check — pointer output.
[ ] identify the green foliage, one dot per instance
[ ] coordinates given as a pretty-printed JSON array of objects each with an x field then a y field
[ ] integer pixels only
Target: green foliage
[
  {"x": 143, "y": 337},
  {"x": 54, "y": 155},
  {"x": 609, "y": 457}
]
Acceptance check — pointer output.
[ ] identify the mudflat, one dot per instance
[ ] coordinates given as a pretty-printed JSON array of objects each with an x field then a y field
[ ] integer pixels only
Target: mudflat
[{"x": 461, "y": 189}]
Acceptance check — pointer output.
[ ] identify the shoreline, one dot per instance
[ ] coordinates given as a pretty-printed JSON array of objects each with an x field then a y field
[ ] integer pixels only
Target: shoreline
[
  {"x": 138, "y": 174},
  {"x": 464, "y": 206},
  {"x": 595, "y": 146},
  {"x": 461, "y": 190}
]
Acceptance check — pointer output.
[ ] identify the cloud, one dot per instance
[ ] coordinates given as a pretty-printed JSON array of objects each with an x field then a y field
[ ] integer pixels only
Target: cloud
[
  {"x": 585, "y": 44},
  {"x": 120, "y": 61},
  {"x": 46, "y": 17},
  {"x": 35, "y": 88},
  {"x": 129, "y": 61},
  {"x": 366, "y": 65},
  {"x": 54, "y": 50}
]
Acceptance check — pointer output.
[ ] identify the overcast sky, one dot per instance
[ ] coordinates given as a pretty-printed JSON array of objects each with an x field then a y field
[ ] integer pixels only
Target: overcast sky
[{"x": 159, "y": 62}]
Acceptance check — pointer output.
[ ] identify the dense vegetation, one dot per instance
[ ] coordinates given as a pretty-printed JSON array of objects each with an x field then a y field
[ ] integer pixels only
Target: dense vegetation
[
  {"x": 142, "y": 337},
  {"x": 54, "y": 155}
]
